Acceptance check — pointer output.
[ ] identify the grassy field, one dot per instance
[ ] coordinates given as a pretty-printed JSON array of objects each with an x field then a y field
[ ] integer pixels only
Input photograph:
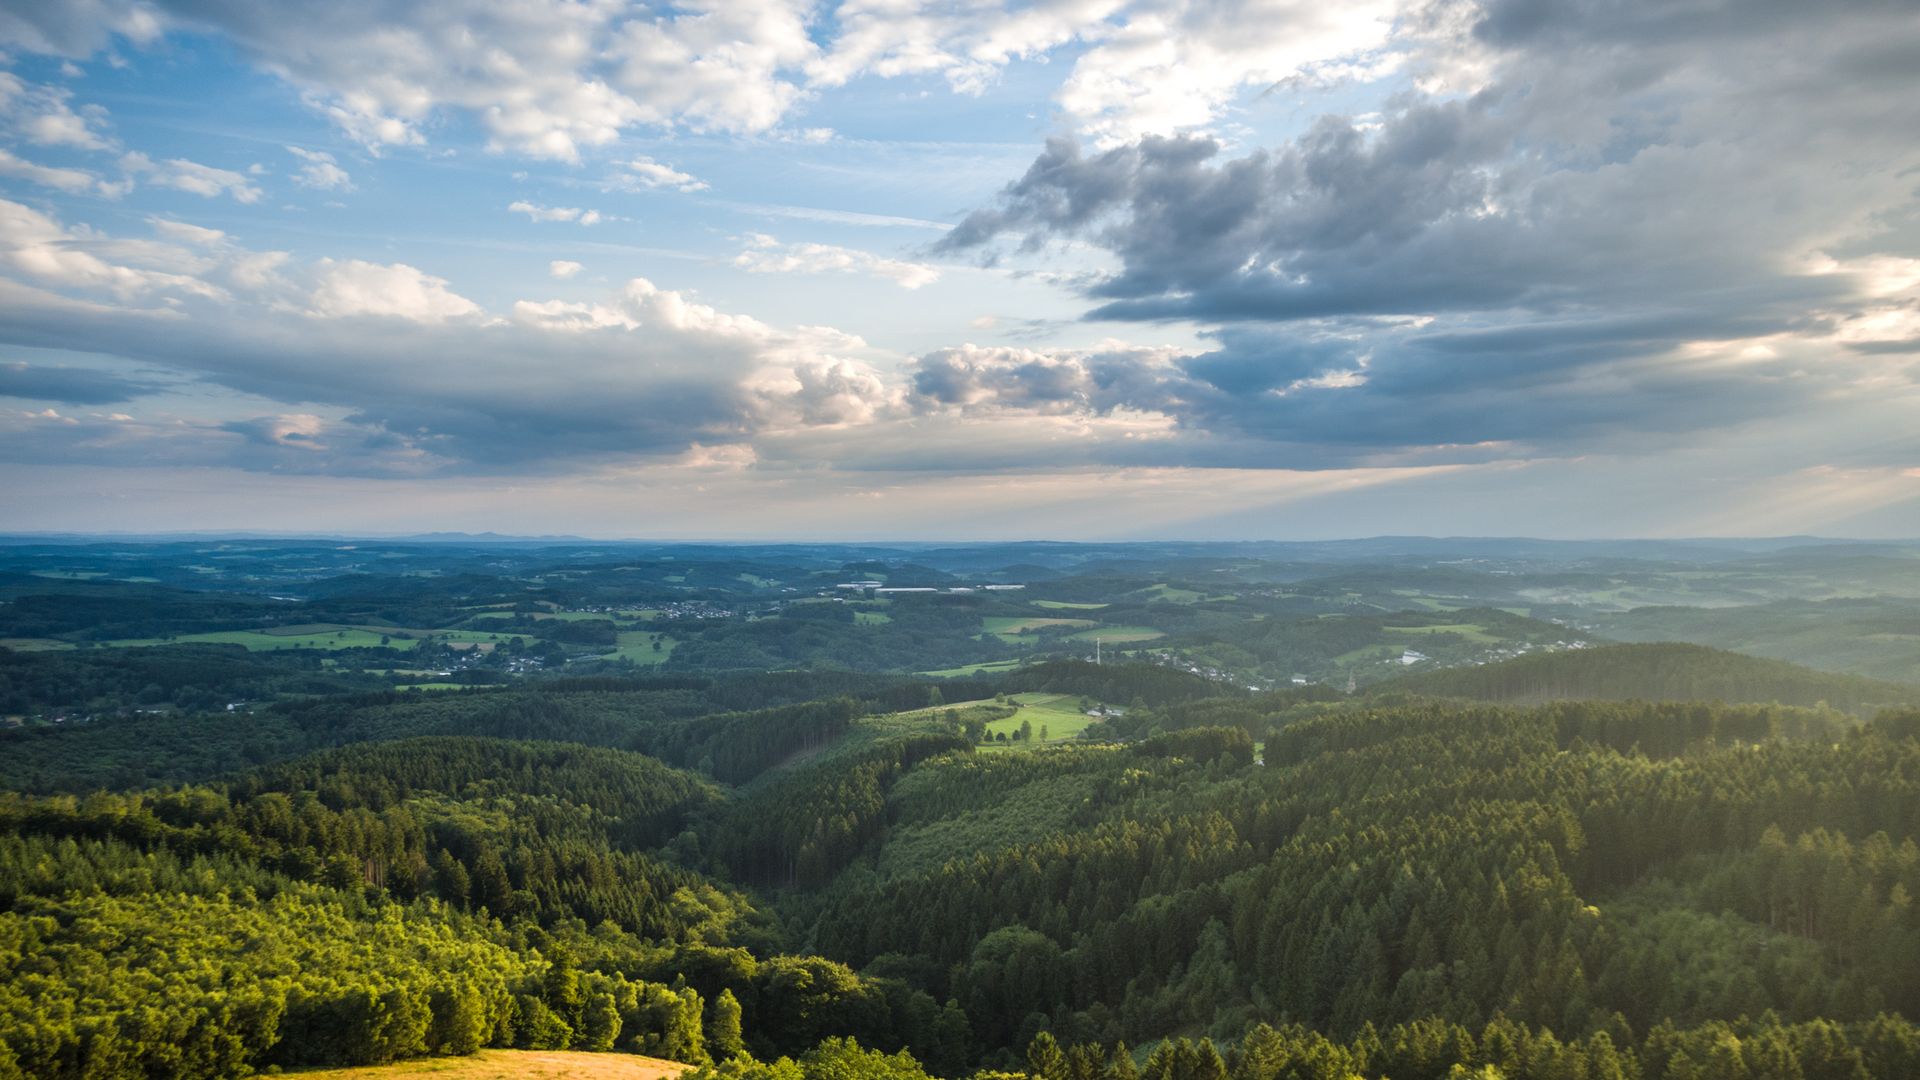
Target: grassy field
[
  {"x": 637, "y": 646},
  {"x": 543, "y": 616},
  {"x": 1063, "y": 605},
  {"x": 468, "y": 635},
  {"x": 1008, "y": 628},
  {"x": 512, "y": 1065},
  {"x": 1117, "y": 635},
  {"x": 872, "y": 618},
  {"x": 32, "y": 644},
  {"x": 1473, "y": 632},
  {"x": 262, "y": 641},
  {"x": 328, "y": 636},
  {"x": 975, "y": 669},
  {"x": 1174, "y": 595},
  {"x": 1060, "y": 714},
  {"x": 1368, "y": 652}
]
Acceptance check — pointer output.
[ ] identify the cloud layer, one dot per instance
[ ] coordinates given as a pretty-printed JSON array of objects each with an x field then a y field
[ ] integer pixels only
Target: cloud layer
[{"x": 1498, "y": 236}]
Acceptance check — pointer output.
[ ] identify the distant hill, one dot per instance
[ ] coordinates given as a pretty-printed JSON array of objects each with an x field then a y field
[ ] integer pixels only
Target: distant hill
[
  {"x": 1664, "y": 671},
  {"x": 1875, "y": 636}
]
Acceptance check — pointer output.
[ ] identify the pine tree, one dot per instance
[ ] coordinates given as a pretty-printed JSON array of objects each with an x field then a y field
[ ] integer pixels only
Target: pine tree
[
  {"x": 1045, "y": 1061},
  {"x": 723, "y": 1028}
]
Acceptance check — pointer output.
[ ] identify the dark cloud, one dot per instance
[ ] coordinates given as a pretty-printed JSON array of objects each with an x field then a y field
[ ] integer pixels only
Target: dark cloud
[
  {"x": 1541, "y": 251},
  {"x": 1254, "y": 360},
  {"x": 1668, "y": 157},
  {"x": 70, "y": 386}
]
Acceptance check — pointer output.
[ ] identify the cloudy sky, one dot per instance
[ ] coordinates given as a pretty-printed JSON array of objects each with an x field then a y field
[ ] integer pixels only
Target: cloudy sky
[{"x": 892, "y": 270}]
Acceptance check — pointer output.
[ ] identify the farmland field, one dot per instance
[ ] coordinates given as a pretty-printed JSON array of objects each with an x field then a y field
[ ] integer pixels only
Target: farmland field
[
  {"x": 637, "y": 646},
  {"x": 33, "y": 644},
  {"x": 261, "y": 641},
  {"x": 975, "y": 669},
  {"x": 1065, "y": 605},
  {"x": 328, "y": 636},
  {"x": 542, "y": 616},
  {"x": 1471, "y": 631},
  {"x": 1117, "y": 635},
  {"x": 1060, "y": 714},
  {"x": 1008, "y": 628},
  {"x": 1175, "y": 595}
]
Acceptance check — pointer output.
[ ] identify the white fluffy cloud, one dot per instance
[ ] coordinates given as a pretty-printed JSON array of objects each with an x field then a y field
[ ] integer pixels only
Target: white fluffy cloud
[
  {"x": 384, "y": 368},
  {"x": 556, "y": 78},
  {"x": 536, "y": 212},
  {"x": 563, "y": 269},
  {"x": 1176, "y": 67},
  {"x": 319, "y": 170},
  {"x": 356, "y": 288},
  {"x": 45, "y": 115},
  {"x": 40, "y": 249},
  {"x": 191, "y": 176},
  {"x": 72, "y": 181},
  {"x": 648, "y": 173},
  {"x": 546, "y": 78},
  {"x": 79, "y": 28},
  {"x": 766, "y": 255}
]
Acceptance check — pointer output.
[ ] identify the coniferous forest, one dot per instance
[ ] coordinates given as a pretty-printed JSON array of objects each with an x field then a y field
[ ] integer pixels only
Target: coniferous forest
[{"x": 1662, "y": 862}]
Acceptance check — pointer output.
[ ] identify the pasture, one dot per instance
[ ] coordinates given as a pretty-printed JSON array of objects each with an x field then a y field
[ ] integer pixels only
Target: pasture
[
  {"x": 265, "y": 641},
  {"x": 1117, "y": 635},
  {"x": 1473, "y": 632},
  {"x": 638, "y": 646},
  {"x": 1060, "y": 714},
  {"x": 1009, "y": 628},
  {"x": 975, "y": 669},
  {"x": 328, "y": 636},
  {"x": 1175, "y": 595},
  {"x": 27, "y": 644}
]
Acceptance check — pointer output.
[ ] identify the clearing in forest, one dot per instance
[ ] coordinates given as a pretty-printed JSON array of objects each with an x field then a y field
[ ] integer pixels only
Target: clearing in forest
[{"x": 511, "y": 1065}]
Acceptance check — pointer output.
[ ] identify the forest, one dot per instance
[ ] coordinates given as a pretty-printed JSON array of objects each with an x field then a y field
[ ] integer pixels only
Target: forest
[{"x": 1654, "y": 861}]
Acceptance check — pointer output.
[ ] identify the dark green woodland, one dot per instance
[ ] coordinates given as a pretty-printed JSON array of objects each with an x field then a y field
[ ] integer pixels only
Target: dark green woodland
[{"x": 1658, "y": 861}]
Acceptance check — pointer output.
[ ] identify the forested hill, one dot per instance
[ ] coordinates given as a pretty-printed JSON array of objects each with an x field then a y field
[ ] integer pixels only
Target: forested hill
[
  {"x": 1665, "y": 671},
  {"x": 853, "y": 873}
]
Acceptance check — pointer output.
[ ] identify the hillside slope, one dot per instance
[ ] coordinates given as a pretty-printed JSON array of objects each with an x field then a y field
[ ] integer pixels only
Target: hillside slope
[{"x": 1663, "y": 671}]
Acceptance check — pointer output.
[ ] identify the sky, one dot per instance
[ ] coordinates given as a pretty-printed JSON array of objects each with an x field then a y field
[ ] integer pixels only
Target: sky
[{"x": 889, "y": 270}]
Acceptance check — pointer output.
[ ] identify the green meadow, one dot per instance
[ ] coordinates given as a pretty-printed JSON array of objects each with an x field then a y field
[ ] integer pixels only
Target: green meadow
[
  {"x": 1473, "y": 632},
  {"x": 637, "y": 646},
  {"x": 1117, "y": 635},
  {"x": 1175, "y": 595},
  {"x": 263, "y": 641},
  {"x": 1009, "y": 628},
  {"x": 324, "y": 636},
  {"x": 975, "y": 669},
  {"x": 1060, "y": 714},
  {"x": 20, "y": 644}
]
